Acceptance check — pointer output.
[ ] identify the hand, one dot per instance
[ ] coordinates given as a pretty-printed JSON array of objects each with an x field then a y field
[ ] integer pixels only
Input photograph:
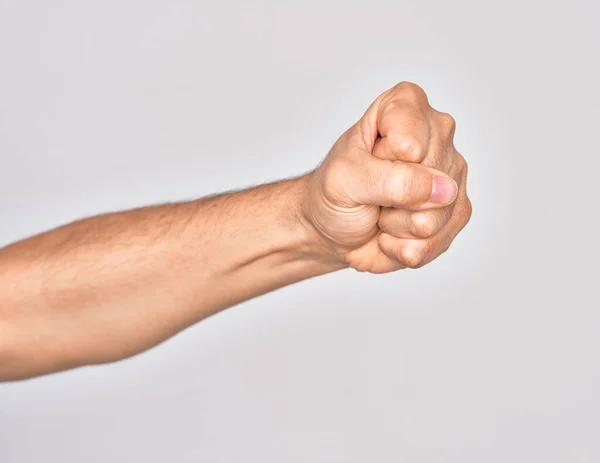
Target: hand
[{"x": 391, "y": 193}]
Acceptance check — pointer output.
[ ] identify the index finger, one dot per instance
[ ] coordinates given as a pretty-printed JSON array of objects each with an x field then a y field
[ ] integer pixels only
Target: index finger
[{"x": 402, "y": 122}]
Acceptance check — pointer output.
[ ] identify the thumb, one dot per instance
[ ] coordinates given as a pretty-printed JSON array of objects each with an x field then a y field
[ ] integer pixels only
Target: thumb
[{"x": 399, "y": 184}]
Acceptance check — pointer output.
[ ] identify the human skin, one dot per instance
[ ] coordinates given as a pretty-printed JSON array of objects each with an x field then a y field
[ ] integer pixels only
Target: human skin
[{"x": 390, "y": 194}]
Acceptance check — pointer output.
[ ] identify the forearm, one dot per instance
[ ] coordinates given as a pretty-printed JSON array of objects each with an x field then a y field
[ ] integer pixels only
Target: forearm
[{"x": 108, "y": 287}]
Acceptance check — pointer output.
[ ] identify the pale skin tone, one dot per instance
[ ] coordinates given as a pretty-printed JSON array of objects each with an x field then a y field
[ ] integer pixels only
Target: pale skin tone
[{"x": 391, "y": 194}]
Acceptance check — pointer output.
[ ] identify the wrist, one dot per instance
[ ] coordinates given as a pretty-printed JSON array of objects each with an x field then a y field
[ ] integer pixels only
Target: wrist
[{"x": 315, "y": 245}]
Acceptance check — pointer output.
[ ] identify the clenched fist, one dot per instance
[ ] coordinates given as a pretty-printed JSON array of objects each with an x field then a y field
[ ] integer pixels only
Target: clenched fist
[{"x": 391, "y": 193}]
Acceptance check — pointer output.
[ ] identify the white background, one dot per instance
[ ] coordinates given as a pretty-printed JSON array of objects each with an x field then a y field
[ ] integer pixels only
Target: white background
[{"x": 490, "y": 354}]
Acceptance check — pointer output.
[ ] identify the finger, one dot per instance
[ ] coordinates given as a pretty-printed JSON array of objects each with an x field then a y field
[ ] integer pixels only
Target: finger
[
  {"x": 446, "y": 124},
  {"x": 371, "y": 259},
  {"x": 397, "y": 124},
  {"x": 404, "y": 185},
  {"x": 441, "y": 143},
  {"x": 402, "y": 223},
  {"x": 415, "y": 253},
  {"x": 404, "y": 132}
]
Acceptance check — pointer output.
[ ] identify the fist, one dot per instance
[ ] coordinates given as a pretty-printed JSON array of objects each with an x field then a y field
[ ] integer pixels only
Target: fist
[{"x": 391, "y": 193}]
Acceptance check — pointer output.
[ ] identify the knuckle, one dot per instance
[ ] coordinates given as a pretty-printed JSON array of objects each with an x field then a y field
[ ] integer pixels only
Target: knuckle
[
  {"x": 445, "y": 246},
  {"x": 462, "y": 162},
  {"x": 468, "y": 212},
  {"x": 449, "y": 120},
  {"x": 463, "y": 212},
  {"x": 411, "y": 149},
  {"x": 460, "y": 166},
  {"x": 447, "y": 124},
  {"x": 410, "y": 88},
  {"x": 423, "y": 225},
  {"x": 412, "y": 257}
]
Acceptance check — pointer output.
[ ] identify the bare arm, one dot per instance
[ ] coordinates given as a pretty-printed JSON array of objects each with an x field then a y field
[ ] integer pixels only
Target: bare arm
[
  {"x": 390, "y": 195},
  {"x": 108, "y": 287}
]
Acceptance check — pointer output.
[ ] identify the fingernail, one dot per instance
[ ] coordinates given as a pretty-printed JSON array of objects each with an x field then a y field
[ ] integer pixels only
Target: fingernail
[{"x": 444, "y": 190}]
